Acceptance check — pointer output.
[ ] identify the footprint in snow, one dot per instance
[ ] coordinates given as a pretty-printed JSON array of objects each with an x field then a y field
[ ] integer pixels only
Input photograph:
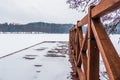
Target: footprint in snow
[{"x": 30, "y": 57}]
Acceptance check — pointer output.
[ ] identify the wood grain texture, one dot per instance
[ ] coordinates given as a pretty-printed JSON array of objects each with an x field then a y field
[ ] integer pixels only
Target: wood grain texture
[
  {"x": 105, "y": 7},
  {"x": 108, "y": 52},
  {"x": 93, "y": 53}
]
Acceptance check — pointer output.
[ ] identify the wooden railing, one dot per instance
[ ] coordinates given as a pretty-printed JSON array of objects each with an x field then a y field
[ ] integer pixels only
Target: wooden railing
[{"x": 85, "y": 49}]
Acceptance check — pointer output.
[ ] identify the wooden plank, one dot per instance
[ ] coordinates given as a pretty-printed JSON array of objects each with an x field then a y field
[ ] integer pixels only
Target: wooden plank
[
  {"x": 105, "y": 7},
  {"x": 108, "y": 52},
  {"x": 83, "y": 48},
  {"x": 77, "y": 44},
  {"x": 80, "y": 36},
  {"x": 83, "y": 21},
  {"x": 82, "y": 59},
  {"x": 83, "y": 55},
  {"x": 81, "y": 75},
  {"x": 84, "y": 62},
  {"x": 93, "y": 53},
  {"x": 80, "y": 40},
  {"x": 84, "y": 44},
  {"x": 93, "y": 60},
  {"x": 72, "y": 39},
  {"x": 74, "y": 46}
]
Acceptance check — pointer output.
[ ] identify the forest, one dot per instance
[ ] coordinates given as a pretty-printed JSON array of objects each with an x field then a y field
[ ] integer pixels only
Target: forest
[{"x": 35, "y": 27}]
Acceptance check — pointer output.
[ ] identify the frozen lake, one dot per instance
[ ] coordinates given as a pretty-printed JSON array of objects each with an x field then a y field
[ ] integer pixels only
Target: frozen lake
[{"x": 13, "y": 42}]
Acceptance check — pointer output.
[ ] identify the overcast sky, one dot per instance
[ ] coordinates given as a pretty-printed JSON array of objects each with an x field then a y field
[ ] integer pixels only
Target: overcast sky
[{"x": 25, "y": 11}]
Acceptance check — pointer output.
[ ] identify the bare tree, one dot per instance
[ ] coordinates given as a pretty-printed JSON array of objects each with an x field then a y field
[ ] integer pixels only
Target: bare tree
[{"x": 81, "y": 5}]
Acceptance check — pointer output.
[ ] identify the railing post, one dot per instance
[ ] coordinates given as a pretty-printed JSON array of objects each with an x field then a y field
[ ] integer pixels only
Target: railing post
[{"x": 93, "y": 53}]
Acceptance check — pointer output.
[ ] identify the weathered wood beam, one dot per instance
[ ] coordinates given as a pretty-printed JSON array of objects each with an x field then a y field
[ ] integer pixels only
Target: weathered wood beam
[
  {"x": 93, "y": 59},
  {"x": 81, "y": 75},
  {"x": 108, "y": 52},
  {"x": 83, "y": 48},
  {"x": 93, "y": 53},
  {"x": 77, "y": 44},
  {"x": 80, "y": 35},
  {"x": 85, "y": 63}
]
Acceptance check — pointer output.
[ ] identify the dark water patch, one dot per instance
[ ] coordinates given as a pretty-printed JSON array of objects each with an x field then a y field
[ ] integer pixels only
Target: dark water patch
[
  {"x": 50, "y": 41},
  {"x": 63, "y": 42},
  {"x": 54, "y": 55},
  {"x": 52, "y": 51},
  {"x": 38, "y": 65},
  {"x": 29, "y": 58},
  {"x": 38, "y": 71},
  {"x": 40, "y": 49},
  {"x": 65, "y": 46},
  {"x": 32, "y": 55}
]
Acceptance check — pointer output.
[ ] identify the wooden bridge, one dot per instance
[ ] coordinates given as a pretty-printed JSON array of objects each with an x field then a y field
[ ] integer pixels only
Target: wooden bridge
[{"x": 85, "y": 50}]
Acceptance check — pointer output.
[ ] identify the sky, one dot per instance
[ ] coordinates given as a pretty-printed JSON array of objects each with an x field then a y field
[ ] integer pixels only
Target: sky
[{"x": 25, "y": 11}]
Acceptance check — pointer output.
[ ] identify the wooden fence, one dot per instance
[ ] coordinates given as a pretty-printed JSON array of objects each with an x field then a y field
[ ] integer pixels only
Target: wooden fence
[{"x": 85, "y": 49}]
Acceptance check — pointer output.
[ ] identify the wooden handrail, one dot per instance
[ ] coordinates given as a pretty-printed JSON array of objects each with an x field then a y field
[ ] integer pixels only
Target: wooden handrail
[
  {"x": 105, "y": 7},
  {"x": 85, "y": 49},
  {"x": 83, "y": 21}
]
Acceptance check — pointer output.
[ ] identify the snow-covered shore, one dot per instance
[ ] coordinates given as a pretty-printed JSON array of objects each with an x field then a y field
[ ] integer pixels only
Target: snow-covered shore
[{"x": 13, "y": 42}]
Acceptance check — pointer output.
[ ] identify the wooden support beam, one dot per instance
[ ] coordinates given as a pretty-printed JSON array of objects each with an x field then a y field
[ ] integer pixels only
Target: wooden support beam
[
  {"x": 108, "y": 52},
  {"x": 93, "y": 53},
  {"x": 81, "y": 74},
  {"x": 80, "y": 36},
  {"x": 74, "y": 46},
  {"x": 93, "y": 59},
  {"x": 77, "y": 44},
  {"x": 83, "y": 48},
  {"x": 85, "y": 63}
]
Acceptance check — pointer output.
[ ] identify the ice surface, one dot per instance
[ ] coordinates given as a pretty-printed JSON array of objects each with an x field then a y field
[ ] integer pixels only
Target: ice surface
[
  {"x": 13, "y": 42},
  {"x": 32, "y": 64}
]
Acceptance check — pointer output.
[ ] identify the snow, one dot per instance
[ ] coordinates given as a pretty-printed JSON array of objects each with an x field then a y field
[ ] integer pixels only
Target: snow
[
  {"x": 116, "y": 41},
  {"x": 13, "y": 42},
  {"x": 32, "y": 64},
  {"x": 16, "y": 67}
]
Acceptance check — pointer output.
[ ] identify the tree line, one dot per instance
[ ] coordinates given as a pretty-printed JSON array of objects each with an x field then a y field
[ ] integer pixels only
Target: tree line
[{"x": 36, "y": 27}]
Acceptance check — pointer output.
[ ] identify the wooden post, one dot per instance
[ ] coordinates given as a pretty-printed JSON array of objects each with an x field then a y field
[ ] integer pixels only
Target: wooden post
[{"x": 93, "y": 53}]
